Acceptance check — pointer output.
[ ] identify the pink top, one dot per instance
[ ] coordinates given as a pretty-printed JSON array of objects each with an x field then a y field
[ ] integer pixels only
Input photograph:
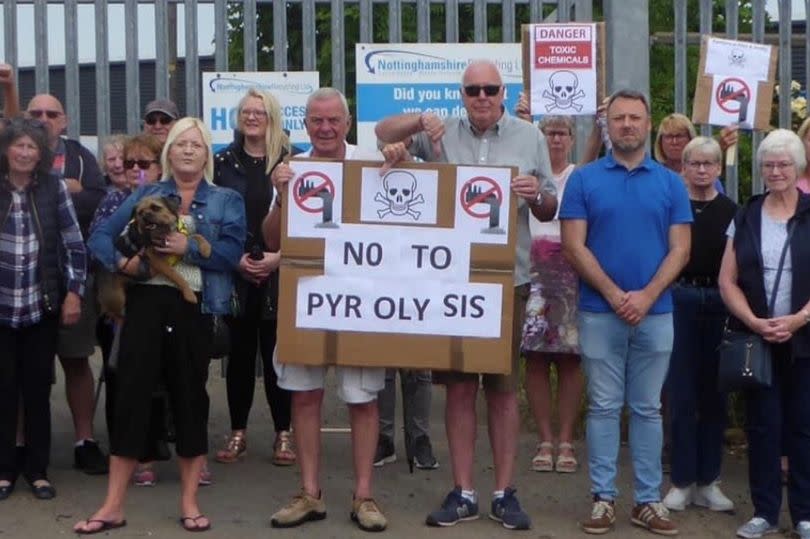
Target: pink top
[{"x": 804, "y": 185}]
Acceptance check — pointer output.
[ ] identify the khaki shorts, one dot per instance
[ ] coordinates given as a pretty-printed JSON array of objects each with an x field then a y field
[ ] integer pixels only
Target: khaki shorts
[
  {"x": 497, "y": 382},
  {"x": 79, "y": 340}
]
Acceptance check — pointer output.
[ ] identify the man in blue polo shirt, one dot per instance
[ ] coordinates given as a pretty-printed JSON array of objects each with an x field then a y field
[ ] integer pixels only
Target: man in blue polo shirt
[{"x": 625, "y": 228}]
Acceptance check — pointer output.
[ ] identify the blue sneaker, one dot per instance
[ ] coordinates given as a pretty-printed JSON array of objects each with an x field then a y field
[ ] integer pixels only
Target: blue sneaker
[
  {"x": 508, "y": 512},
  {"x": 455, "y": 508}
]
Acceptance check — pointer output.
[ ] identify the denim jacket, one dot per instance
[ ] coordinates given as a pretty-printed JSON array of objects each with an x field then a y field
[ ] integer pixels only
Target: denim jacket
[{"x": 219, "y": 216}]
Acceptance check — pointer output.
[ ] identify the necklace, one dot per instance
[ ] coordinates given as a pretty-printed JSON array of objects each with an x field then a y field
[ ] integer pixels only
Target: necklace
[{"x": 701, "y": 209}]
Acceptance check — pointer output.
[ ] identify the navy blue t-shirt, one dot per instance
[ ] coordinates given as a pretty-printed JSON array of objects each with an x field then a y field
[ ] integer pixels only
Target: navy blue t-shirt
[{"x": 629, "y": 214}]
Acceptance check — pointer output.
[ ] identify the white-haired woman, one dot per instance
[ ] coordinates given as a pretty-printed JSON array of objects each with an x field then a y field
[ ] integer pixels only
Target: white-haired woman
[
  {"x": 245, "y": 165},
  {"x": 163, "y": 334},
  {"x": 763, "y": 227},
  {"x": 697, "y": 408}
]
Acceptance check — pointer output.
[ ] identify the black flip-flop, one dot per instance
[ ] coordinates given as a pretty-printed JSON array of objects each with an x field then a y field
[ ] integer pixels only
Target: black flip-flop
[
  {"x": 197, "y": 527},
  {"x": 106, "y": 525}
]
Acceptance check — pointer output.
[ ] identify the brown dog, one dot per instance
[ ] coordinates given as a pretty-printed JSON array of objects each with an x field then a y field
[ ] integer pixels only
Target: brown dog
[{"x": 153, "y": 219}]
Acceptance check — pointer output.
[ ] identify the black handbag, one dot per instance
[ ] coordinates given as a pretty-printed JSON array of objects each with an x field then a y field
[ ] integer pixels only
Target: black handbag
[{"x": 745, "y": 358}]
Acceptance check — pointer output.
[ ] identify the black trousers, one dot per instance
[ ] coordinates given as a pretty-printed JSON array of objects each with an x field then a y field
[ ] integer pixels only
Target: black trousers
[
  {"x": 246, "y": 332},
  {"x": 26, "y": 370},
  {"x": 779, "y": 424},
  {"x": 163, "y": 338}
]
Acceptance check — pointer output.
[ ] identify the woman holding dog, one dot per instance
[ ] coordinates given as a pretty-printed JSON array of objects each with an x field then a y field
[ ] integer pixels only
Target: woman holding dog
[
  {"x": 37, "y": 221},
  {"x": 245, "y": 166},
  {"x": 162, "y": 331}
]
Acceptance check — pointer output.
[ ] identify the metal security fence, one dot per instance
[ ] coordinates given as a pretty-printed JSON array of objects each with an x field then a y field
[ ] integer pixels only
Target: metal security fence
[{"x": 319, "y": 34}]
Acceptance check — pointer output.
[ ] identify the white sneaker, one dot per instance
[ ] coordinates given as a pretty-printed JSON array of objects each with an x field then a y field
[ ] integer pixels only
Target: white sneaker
[
  {"x": 678, "y": 498},
  {"x": 803, "y": 529},
  {"x": 756, "y": 528},
  {"x": 712, "y": 497}
]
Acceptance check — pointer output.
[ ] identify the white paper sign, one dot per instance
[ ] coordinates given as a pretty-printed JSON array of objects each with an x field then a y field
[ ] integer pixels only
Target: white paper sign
[
  {"x": 396, "y": 306},
  {"x": 734, "y": 101},
  {"x": 482, "y": 203},
  {"x": 749, "y": 61},
  {"x": 314, "y": 199},
  {"x": 563, "y": 72},
  {"x": 388, "y": 252},
  {"x": 399, "y": 196}
]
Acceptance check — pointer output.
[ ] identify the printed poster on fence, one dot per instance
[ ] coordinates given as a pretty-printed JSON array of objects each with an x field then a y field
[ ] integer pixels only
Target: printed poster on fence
[
  {"x": 223, "y": 91},
  {"x": 396, "y": 78},
  {"x": 563, "y": 69}
]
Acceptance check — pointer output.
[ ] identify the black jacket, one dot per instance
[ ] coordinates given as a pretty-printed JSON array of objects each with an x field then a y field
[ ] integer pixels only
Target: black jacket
[
  {"x": 748, "y": 249},
  {"x": 82, "y": 165},
  {"x": 229, "y": 171}
]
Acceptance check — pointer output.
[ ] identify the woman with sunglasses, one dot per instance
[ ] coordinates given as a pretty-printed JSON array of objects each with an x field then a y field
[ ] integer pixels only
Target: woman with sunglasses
[{"x": 245, "y": 166}]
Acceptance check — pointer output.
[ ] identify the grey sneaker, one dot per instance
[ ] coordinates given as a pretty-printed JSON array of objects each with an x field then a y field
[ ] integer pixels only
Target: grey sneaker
[
  {"x": 385, "y": 452},
  {"x": 423, "y": 454},
  {"x": 756, "y": 528}
]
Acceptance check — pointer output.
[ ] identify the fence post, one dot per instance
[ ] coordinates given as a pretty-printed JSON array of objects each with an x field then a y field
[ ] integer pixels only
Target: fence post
[
  {"x": 628, "y": 36},
  {"x": 72, "y": 94}
]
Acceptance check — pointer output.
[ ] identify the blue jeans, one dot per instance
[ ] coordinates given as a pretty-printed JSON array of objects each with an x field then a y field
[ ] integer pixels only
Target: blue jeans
[
  {"x": 625, "y": 362},
  {"x": 697, "y": 408}
]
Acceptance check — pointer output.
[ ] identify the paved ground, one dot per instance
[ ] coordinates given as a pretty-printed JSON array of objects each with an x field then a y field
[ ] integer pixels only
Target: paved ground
[{"x": 244, "y": 495}]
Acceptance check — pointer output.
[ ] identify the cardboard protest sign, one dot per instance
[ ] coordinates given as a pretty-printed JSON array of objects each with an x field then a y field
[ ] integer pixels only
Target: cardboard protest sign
[
  {"x": 395, "y": 282},
  {"x": 735, "y": 83},
  {"x": 563, "y": 67}
]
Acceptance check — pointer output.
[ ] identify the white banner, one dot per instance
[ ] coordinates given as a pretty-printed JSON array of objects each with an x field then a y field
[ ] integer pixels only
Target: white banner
[
  {"x": 222, "y": 92},
  {"x": 389, "y": 252},
  {"x": 396, "y": 306}
]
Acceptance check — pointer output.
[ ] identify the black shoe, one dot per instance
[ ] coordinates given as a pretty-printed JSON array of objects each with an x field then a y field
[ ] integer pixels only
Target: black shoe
[
  {"x": 42, "y": 492},
  {"x": 89, "y": 458},
  {"x": 385, "y": 452},
  {"x": 6, "y": 491},
  {"x": 423, "y": 454}
]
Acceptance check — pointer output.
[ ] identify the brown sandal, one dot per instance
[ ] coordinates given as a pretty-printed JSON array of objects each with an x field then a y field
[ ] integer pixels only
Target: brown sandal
[
  {"x": 235, "y": 448},
  {"x": 283, "y": 454}
]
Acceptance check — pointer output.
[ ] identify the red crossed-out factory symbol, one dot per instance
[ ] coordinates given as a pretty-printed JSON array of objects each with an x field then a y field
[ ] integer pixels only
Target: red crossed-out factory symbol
[
  {"x": 478, "y": 194},
  {"x": 306, "y": 190},
  {"x": 731, "y": 93}
]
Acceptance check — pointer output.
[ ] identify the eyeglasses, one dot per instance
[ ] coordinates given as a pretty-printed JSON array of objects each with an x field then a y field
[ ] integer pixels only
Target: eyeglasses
[
  {"x": 673, "y": 137},
  {"x": 697, "y": 165},
  {"x": 189, "y": 144},
  {"x": 39, "y": 113},
  {"x": 143, "y": 164},
  {"x": 474, "y": 90},
  {"x": 779, "y": 165},
  {"x": 258, "y": 113},
  {"x": 158, "y": 118},
  {"x": 557, "y": 134}
]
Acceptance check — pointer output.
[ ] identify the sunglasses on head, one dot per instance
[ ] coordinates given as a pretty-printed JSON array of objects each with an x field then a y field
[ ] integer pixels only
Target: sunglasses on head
[
  {"x": 474, "y": 90},
  {"x": 38, "y": 113},
  {"x": 142, "y": 163},
  {"x": 160, "y": 118}
]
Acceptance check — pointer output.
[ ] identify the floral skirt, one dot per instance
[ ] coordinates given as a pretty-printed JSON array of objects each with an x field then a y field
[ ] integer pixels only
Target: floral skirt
[{"x": 555, "y": 300}]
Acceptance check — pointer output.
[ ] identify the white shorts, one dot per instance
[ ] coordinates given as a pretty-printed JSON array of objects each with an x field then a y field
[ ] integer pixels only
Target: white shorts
[{"x": 356, "y": 385}]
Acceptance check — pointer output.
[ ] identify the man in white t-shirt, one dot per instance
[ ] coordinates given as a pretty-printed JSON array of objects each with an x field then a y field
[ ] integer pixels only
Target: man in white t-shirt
[{"x": 327, "y": 121}]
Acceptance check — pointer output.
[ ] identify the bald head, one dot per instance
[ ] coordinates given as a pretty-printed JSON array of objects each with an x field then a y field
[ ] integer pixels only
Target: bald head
[
  {"x": 49, "y": 110},
  {"x": 478, "y": 68},
  {"x": 482, "y": 93}
]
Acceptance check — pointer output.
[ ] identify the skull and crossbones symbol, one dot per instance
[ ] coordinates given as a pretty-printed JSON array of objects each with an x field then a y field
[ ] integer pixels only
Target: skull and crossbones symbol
[
  {"x": 564, "y": 92},
  {"x": 737, "y": 58},
  {"x": 398, "y": 195}
]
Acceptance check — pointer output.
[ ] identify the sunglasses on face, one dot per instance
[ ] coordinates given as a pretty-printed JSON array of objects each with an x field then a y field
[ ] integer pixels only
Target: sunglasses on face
[
  {"x": 161, "y": 119},
  {"x": 474, "y": 90},
  {"x": 143, "y": 164},
  {"x": 38, "y": 113}
]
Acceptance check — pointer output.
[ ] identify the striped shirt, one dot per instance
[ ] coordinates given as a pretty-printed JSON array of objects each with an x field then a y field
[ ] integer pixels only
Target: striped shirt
[{"x": 20, "y": 293}]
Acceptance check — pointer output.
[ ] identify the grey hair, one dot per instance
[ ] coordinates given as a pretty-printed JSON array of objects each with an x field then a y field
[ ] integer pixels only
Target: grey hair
[
  {"x": 327, "y": 92},
  {"x": 555, "y": 120},
  {"x": 783, "y": 140},
  {"x": 704, "y": 145}
]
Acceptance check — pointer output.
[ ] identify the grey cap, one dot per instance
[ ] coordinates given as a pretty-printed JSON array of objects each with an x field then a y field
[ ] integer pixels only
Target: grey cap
[{"x": 165, "y": 106}]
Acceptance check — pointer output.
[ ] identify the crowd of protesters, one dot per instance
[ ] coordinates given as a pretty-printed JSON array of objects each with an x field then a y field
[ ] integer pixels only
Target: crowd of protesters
[{"x": 629, "y": 268}]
